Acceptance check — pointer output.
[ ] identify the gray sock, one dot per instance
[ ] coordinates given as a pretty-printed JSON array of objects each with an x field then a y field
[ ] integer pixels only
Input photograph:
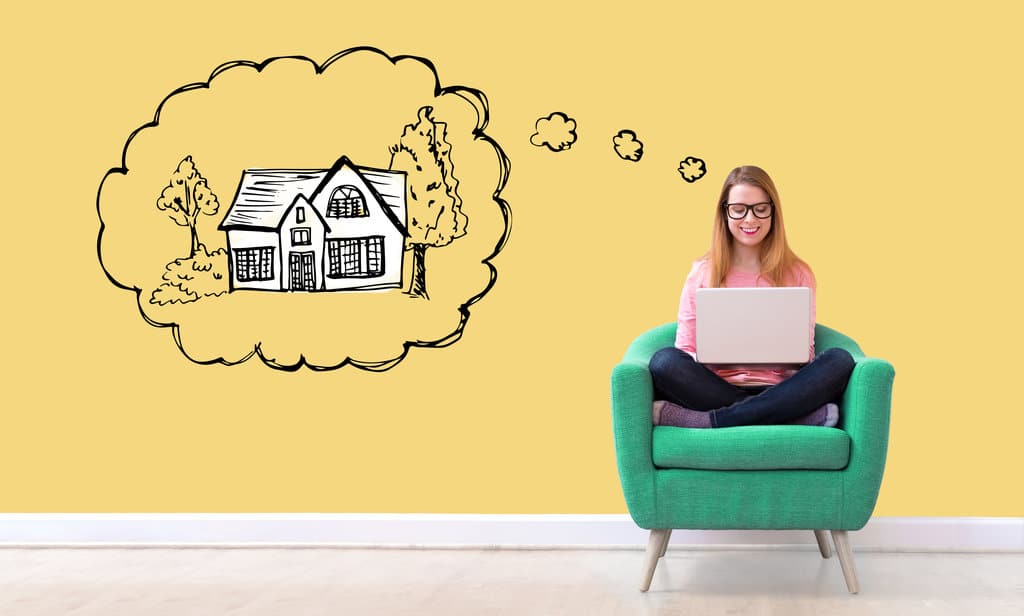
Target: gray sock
[{"x": 680, "y": 417}]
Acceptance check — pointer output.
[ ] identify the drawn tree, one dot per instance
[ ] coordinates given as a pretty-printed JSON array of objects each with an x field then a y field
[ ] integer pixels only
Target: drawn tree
[
  {"x": 434, "y": 208},
  {"x": 202, "y": 273},
  {"x": 186, "y": 197}
]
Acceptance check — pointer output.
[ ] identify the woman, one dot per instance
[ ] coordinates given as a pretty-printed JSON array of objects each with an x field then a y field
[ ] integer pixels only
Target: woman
[{"x": 748, "y": 249}]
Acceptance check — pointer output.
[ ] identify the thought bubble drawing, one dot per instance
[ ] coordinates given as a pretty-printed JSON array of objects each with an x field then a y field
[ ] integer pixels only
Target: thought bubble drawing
[
  {"x": 557, "y": 131},
  {"x": 627, "y": 146},
  {"x": 280, "y": 210},
  {"x": 692, "y": 169}
]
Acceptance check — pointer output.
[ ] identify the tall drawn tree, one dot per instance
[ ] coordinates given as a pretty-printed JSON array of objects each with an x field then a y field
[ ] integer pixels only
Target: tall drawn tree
[
  {"x": 434, "y": 208},
  {"x": 186, "y": 197}
]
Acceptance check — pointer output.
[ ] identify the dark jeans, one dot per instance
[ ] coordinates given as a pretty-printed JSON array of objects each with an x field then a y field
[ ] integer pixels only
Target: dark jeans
[{"x": 678, "y": 378}]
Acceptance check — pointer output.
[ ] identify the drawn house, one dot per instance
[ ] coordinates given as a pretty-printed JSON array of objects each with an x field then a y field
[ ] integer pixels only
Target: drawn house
[{"x": 317, "y": 230}]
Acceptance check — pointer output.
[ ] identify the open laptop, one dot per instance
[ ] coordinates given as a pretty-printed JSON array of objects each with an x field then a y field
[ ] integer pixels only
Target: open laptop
[{"x": 755, "y": 325}]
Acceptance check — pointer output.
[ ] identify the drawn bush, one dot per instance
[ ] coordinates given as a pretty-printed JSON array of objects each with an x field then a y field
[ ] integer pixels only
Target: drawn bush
[{"x": 189, "y": 279}]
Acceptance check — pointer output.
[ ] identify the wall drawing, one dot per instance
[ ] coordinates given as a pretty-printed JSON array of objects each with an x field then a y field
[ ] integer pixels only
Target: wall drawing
[
  {"x": 436, "y": 217},
  {"x": 692, "y": 169},
  {"x": 336, "y": 229},
  {"x": 201, "y": 273},
  {"x": 627, "y": 146},
  {"x": 557, "y": 132},
  {"x": 314, "y": 225}
]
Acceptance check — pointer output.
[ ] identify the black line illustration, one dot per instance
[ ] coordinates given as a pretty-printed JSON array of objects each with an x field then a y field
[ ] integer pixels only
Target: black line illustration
[
  {"x": 337, "y": 229},
  {"x": 259, "y": 281},
  {"x": 692, "y": 169},
  {"x": 435, "y": 208},
  {"x": 557, "y": 131},
  {"x": 627, "y": 146},
  {"x": 202, "y": 273}
]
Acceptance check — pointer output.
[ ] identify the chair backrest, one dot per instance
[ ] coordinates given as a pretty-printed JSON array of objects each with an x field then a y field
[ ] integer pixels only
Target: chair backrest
[{"x": 827, "y": 338}]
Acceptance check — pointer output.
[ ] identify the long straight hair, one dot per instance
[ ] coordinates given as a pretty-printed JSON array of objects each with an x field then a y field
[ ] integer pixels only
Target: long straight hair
[{"x": 778, "y": 261}]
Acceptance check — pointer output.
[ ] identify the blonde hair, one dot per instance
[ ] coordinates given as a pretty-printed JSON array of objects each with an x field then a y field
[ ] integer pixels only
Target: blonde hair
[{"x": 778, "y": 261}]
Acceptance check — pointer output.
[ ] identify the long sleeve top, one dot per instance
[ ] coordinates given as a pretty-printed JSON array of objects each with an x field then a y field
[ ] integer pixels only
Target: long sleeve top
[{"x": 686, "y": 332}]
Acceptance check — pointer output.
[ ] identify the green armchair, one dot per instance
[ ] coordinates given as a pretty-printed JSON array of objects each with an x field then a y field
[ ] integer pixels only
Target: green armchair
[{"x": 752, "y": 477}]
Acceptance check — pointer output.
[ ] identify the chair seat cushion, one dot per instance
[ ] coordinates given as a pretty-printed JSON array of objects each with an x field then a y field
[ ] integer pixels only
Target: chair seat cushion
[{"x": 751, "y": 448}]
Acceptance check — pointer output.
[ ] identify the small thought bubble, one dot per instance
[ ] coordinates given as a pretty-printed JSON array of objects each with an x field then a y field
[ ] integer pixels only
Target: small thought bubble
[
  {"x": 557, "y": 131},
  {"x": 627, "y": 146},
  {"x": 692, "y": 169}
]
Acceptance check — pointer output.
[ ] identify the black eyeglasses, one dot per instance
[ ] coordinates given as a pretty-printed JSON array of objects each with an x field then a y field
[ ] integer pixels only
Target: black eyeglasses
[{"x": 738, "y": 211}]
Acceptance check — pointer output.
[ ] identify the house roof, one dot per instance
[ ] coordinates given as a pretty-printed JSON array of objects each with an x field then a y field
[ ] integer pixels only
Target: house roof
[
  {"x": 387, "y": 186},
  {"x": 265, "y": 195}
]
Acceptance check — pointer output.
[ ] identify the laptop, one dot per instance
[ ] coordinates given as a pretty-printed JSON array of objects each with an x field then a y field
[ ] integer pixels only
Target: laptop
[{"x": 754, "y": 325}]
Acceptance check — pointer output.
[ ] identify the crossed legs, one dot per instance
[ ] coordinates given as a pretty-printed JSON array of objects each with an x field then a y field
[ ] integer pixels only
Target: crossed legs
[{"x": 680, "y": 379}]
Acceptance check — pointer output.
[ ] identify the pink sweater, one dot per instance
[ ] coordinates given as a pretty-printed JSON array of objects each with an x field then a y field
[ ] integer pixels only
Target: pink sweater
[{"x": 686, "y": 333}]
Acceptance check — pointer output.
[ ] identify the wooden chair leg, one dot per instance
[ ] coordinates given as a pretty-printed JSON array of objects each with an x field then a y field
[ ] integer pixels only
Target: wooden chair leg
[
  {"x": 655, "y": 544},
  {"x": 823, "y": 545},
  {"x": 667, "y": 539},
  {"x": 842, "y": 541}
]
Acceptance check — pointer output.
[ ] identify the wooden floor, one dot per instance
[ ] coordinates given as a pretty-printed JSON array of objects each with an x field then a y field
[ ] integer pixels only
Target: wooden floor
[{"x": 311, "y": 581}]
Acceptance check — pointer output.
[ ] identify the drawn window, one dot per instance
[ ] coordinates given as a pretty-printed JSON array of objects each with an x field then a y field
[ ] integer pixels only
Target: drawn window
[
  {"x": 254, "y": 263},
  {"x": 301, "y": 237},
  {"x": 347, "y": 202},
  {"x": 357, "y": 257},
  {"x": 300, "y": 215},
  {"x": 375, "y": 255}
]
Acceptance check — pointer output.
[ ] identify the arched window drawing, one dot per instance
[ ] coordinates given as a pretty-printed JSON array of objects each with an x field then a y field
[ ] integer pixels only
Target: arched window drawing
[{"x": 346, "y": 202}]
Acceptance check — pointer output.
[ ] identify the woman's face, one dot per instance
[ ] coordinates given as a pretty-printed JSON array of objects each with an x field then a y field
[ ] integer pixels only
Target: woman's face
[{"x": 749, "y": 230}]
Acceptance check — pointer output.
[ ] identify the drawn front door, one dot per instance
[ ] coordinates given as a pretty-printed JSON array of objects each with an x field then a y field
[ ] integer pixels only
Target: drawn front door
[{"x": 301, "y": 267}]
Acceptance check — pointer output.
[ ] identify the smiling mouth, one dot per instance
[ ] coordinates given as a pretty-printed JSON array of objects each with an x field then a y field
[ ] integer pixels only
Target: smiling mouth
[{"x": 749, "y": 231}]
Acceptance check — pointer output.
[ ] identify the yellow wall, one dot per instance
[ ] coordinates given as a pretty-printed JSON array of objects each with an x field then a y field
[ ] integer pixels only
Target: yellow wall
[{"x": 893, "y": 133}]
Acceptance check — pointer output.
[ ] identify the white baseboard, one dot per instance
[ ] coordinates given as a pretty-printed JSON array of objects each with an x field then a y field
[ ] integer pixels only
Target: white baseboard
[{"x": 946, "y": 534}]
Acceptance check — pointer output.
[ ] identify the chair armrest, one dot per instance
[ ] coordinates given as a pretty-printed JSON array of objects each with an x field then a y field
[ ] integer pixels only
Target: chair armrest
[
  {"x": 865, "y": 414},
  {"x": 632, "y": 394}
]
